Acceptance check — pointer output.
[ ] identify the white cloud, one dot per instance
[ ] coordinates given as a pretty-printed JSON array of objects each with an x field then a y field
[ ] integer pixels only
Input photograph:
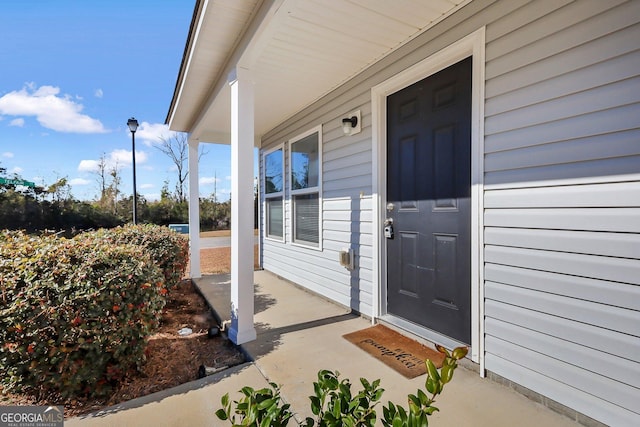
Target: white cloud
[
  {"x": 7, "y": 154},
  {"x": 117, "y": 158},
  {"x": 122, "y": 156},
  {"x": 16, "y": 169},
  {"x": 208, "y": 180},
  {"x": 79, "y": 181},
  {"x": 145, "y": 186},
  {"x": 151, "y": 133},
  {"x": 88, "y": 166},
  {"x": 228, "y": 177},
  {"x": 19, "y": 122},
  {"x": 52, "y": 110},
  {"x": 98, "y": 93}
]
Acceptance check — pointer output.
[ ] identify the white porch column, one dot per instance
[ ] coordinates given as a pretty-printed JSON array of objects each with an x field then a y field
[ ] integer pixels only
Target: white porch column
[
  {"x": 194, "y": 211},
  {"x": 242, "y": 136}
]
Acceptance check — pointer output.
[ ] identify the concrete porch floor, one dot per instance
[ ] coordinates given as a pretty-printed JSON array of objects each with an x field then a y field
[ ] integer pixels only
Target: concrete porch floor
[{"x": 300, "y": 333}]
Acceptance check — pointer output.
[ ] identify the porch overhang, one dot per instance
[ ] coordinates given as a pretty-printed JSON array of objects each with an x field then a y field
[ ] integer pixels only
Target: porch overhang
[{"x": 250, "y": 65}]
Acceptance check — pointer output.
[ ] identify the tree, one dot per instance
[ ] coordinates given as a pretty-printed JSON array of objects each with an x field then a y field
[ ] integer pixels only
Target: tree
[
  {"x": 114, "y": 187},
  {"x": 109, "y": 182},
  {"x": 60, "y": 190},
  {"x": 176, "y": 147},
  {"x": 101, "y": 173}
]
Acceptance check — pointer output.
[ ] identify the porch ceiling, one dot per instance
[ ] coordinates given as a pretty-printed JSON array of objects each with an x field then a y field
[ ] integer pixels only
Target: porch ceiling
[{"x": 297, "y": 51}]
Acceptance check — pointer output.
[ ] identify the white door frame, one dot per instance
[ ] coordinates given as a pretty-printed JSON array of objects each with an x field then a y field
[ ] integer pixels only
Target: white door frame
[{"x": 471, "y": 45}]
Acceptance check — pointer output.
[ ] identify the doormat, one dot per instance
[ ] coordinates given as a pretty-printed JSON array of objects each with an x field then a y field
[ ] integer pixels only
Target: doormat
[{"x": 401, "y": 353}]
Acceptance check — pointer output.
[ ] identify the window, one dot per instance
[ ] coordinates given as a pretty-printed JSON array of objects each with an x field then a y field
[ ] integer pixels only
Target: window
[
  {"x": 273, "y": 193},
  {"x": 305, "y": 178}
]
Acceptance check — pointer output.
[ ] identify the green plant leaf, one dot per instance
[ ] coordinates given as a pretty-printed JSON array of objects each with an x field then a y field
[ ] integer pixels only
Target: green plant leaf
[
  {"x": 266, "y": 404},
  {"x": 431, "y": 409},
  {"x": 459, "y": 352},
  {"x": 414, "y": 401},
  {"x": 432, "y": 370},
  {"x": 315, "y": 405},
  {"x": 446, "y": 373},
  {"x": 221, "y": 414},
  {"x": 430, "y": 384},
  {"x": 424, "y": 400}
]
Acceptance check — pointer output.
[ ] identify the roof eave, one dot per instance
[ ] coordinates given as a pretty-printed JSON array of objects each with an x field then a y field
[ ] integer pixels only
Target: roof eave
[{"x": 197, "y": 11}]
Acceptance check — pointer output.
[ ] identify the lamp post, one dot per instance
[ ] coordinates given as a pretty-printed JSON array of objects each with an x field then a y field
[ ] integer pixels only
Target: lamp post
[{"x": 133, "y": 126}]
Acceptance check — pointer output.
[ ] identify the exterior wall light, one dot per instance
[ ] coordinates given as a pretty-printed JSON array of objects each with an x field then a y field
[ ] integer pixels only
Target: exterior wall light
[
  {"x": 352, "y": 124},
  {"x": 349, "y": 123}
]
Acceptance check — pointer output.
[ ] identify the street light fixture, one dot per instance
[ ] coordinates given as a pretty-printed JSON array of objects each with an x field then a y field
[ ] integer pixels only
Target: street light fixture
[{"x": 133, "y": 126}]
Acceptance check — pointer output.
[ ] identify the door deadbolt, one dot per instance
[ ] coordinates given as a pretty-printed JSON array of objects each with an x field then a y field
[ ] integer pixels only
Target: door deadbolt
[{"x": 388, "y": 228}]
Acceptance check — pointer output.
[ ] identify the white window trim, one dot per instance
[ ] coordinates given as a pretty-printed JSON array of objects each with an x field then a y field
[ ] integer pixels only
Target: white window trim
[
  {"x": 274, "y": 195},
  {"x": 471, "y": 45},
  {"x": 318, "y": 189}
]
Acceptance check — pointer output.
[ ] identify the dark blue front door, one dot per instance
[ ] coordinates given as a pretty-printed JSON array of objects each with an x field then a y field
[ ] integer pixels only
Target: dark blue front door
[{"x": 429, "y": 202}]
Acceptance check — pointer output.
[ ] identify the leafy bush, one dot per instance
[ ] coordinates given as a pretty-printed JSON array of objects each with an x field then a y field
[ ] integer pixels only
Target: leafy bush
[
  {"x": 421, "y": 405},
  {"x": 334, "y": 405},
  {"x": 256, "y": 408},
  {"x": 74, "y": 314},
  {"x": 168, "y": 249}
]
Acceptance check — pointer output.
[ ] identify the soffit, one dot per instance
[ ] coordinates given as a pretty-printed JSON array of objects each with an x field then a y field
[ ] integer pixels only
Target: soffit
[
  {"x": 215, "y": 31},
  {"x": 298, "y": 52}
]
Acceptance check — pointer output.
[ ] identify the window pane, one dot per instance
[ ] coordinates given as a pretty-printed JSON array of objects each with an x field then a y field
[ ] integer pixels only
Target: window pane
[
  {"x": 274, "y": 217},
  {"x": 304, "y": 163},
  {"x": 273, "y": 172},
  {"x": 307, "y": 214}
]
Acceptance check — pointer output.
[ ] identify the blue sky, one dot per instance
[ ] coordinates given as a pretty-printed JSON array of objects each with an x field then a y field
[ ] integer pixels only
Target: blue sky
[{"x": 73, "y": 71}]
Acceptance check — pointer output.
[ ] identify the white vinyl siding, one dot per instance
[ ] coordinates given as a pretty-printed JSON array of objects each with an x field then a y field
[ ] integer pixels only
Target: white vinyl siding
[
  {"x": 561, "y": 195},
  {"x": 562, "y": 204}
]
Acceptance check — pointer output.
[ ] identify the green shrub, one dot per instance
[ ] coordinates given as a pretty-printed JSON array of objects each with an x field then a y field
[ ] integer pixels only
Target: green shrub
[
  {"x": 168, "y": 249},
  {"x": 74, "y": 314},
  {"x": 421, "y": 403},
  {"x": 334, "y": 405},
  {"x": 262, "y": 407}
]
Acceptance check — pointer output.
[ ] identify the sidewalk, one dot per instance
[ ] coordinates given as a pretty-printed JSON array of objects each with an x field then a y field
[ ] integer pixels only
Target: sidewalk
[{"x": 298, "y": 334}]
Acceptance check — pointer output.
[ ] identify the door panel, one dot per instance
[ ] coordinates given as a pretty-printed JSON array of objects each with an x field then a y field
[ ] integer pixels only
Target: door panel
[{"x": 429, "y": 191}]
